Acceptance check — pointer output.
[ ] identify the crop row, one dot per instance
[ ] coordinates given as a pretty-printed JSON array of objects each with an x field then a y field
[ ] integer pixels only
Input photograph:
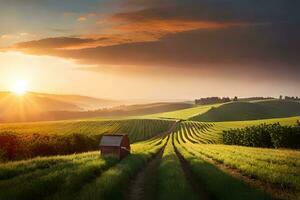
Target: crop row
[
  {"x": 85, "y": 137},
  {"x": 276, "y": 166},
  {"x": 172, "y": 182},
  {"x": 196, "y": 132},
  {"x": 82, "y": 176},
  {"x": 281, "y": 167},
  {"x": 146, "y": 127},
  {"x": 217, "y": 183}
]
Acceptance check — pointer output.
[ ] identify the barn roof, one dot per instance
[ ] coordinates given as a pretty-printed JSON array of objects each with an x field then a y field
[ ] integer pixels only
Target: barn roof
[{"x": 111, "y": 140}]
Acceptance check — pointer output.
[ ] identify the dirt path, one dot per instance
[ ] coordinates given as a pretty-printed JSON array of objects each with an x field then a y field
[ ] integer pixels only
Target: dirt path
[
  {"x": 195, "y": 185},
  {"x": 144, "y": 185}
]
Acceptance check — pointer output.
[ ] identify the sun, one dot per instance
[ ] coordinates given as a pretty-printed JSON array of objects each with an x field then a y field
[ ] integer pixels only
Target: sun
[{"x": 20, "y": 87}]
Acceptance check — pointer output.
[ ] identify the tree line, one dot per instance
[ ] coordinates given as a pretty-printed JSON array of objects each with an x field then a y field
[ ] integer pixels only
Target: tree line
[
  {"x": 292, "y": 98},
  {"x": 213, "y": 100}
]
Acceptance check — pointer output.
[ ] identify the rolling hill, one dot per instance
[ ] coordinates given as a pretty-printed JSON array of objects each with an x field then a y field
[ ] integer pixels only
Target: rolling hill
[
  {"x": 238, "y": 111},
  {"x": 183, "y": 113},
  {"x": 37, "y": 106},
  {"x": 45, "y": 107}
]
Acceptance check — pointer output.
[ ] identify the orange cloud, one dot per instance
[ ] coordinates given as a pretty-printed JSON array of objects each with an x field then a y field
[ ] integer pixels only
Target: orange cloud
[
  {"x": 171, "y": 26},
  {"x": 81, "y": 19}
]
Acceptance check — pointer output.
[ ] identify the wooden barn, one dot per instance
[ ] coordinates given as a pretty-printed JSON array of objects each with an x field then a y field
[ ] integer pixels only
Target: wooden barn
[{"x": 116, "y": 144}]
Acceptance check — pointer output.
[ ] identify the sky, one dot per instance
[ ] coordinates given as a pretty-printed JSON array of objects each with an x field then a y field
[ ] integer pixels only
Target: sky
[{"x": 151, "y": 49}]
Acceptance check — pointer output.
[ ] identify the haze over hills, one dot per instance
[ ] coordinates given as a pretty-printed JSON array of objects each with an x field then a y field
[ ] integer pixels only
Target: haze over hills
[
  {"x": 40, "y": 106},
  {"x": 44, "y": 107},
  {"x": 59, "y": 102},
  {"x": 83, "y": 102},
  {"x": 33, "y": 105}
]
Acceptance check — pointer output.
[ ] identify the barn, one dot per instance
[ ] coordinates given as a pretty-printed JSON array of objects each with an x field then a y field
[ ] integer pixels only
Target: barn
[{"x": 116, "y": 144}]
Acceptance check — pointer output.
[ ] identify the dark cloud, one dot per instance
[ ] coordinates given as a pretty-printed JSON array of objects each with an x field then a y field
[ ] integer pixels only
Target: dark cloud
[
  {"x": 265, "y": 44},
  {"x": 246, "y": 34},
  {"x": 255, "y": 11}
]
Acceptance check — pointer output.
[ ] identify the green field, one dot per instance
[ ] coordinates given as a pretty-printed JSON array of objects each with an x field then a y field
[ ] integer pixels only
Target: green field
[
  {"x": 183, "y": 113},
  {"x": 181, "y": 159},
  {"x": 133, "y": 127},
  {"x": 239, "y": 111}
]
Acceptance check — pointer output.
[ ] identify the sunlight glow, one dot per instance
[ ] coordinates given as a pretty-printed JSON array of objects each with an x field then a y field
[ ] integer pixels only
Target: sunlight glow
[{"x": 20, "y": 87}]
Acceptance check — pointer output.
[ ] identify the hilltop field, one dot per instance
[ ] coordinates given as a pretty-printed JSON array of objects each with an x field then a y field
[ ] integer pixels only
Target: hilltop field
[{"x": 176, "y": 154}]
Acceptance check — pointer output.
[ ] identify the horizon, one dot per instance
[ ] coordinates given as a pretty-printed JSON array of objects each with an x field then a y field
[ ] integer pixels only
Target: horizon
[
  {"x": 151, "y": 49},
  {"x": 144, "y": 99}
]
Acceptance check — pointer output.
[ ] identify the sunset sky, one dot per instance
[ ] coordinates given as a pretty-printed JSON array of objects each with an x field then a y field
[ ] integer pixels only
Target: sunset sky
[{"x": 151, "y": 49}]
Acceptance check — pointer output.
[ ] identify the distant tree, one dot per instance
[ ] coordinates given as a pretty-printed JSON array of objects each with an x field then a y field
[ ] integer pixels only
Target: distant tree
[
  {"x": 235, "y": 98},
  {"x": 212, "y": 100},
  {"x": 280, "y": 97}
]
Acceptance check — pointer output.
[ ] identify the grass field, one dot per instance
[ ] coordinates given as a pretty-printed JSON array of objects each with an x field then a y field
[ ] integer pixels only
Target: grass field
[
  {"x": 183, "y": 113},
  {"x": 27, "y": 140},
  {"x": 276, "y": 166},
  {"x": 139, "y": 128},
  {"x": 238, "y": 111},
  {"x": 82, "y": 176},
  {"x": 193, "y": 163}
]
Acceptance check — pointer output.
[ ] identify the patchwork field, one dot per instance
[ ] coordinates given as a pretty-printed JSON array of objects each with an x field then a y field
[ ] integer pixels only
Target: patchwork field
[{"x": 170, "y": 158}]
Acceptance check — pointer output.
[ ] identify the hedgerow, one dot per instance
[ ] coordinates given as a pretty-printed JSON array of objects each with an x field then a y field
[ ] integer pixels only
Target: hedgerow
[{"x": 264, "y": 135}]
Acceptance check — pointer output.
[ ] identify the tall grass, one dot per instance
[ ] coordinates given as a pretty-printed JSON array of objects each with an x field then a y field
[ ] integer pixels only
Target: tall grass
[
  {"x": 27, "y": 140},
  {"x": 172, "y": 183},
  {"x": 281, "y": 167},
  {"x": 220, "y": 185},
  {"x": 82, "y": 176},
  {"x": 43, "y": 182},
  {"x": 109, "y": 185}
]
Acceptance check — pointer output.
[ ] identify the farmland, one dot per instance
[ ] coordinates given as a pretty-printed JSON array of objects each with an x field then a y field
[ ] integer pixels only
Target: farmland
[
  {"x": 169, "y": 160},
  {"x": 183, "y": 113},
  {"x": 239, "y": 111},
  {"x": 26, "y": 140}
]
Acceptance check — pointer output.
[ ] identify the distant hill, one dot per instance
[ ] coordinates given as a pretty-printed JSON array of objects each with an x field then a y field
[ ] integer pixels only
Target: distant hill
[
  {"x": 118, "y": 111},
  {"x": 41, "y": 107},
  {"x": 238, "y": 111},
  {"x": 83, "y": 102},
  {"x": 35, "y": 105}
]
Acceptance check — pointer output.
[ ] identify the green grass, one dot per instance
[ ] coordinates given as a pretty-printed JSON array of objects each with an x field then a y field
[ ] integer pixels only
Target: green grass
[
  {"x": 109, "y": 185},
  {"x": 220, "y": 185},
  {"x": 137, "y": 129},
  {"x": 172, "y": 183},
  {"x": 183, "y": 113},
  {"x": 220, "y": 126},
  {"x": 276, "y": 166},
  {"x": 238, "y": 111},
  {"x": 13, "y": 169},
  {"x": 82, "y": 176},
  {"x": 34, "y": 184},
  {"x": 211, "y": 133},
  {"x": 281, "y": 167}
]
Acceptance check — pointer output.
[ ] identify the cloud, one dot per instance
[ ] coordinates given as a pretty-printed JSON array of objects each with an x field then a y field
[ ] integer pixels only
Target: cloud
[
  {"x": 212, "y": 35},
  {"x": 239, "y": 45},
  {"x": 215, "y": 10},
  {"x": 53, "y": 43},
  {"x": 81, "y": 19}
]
